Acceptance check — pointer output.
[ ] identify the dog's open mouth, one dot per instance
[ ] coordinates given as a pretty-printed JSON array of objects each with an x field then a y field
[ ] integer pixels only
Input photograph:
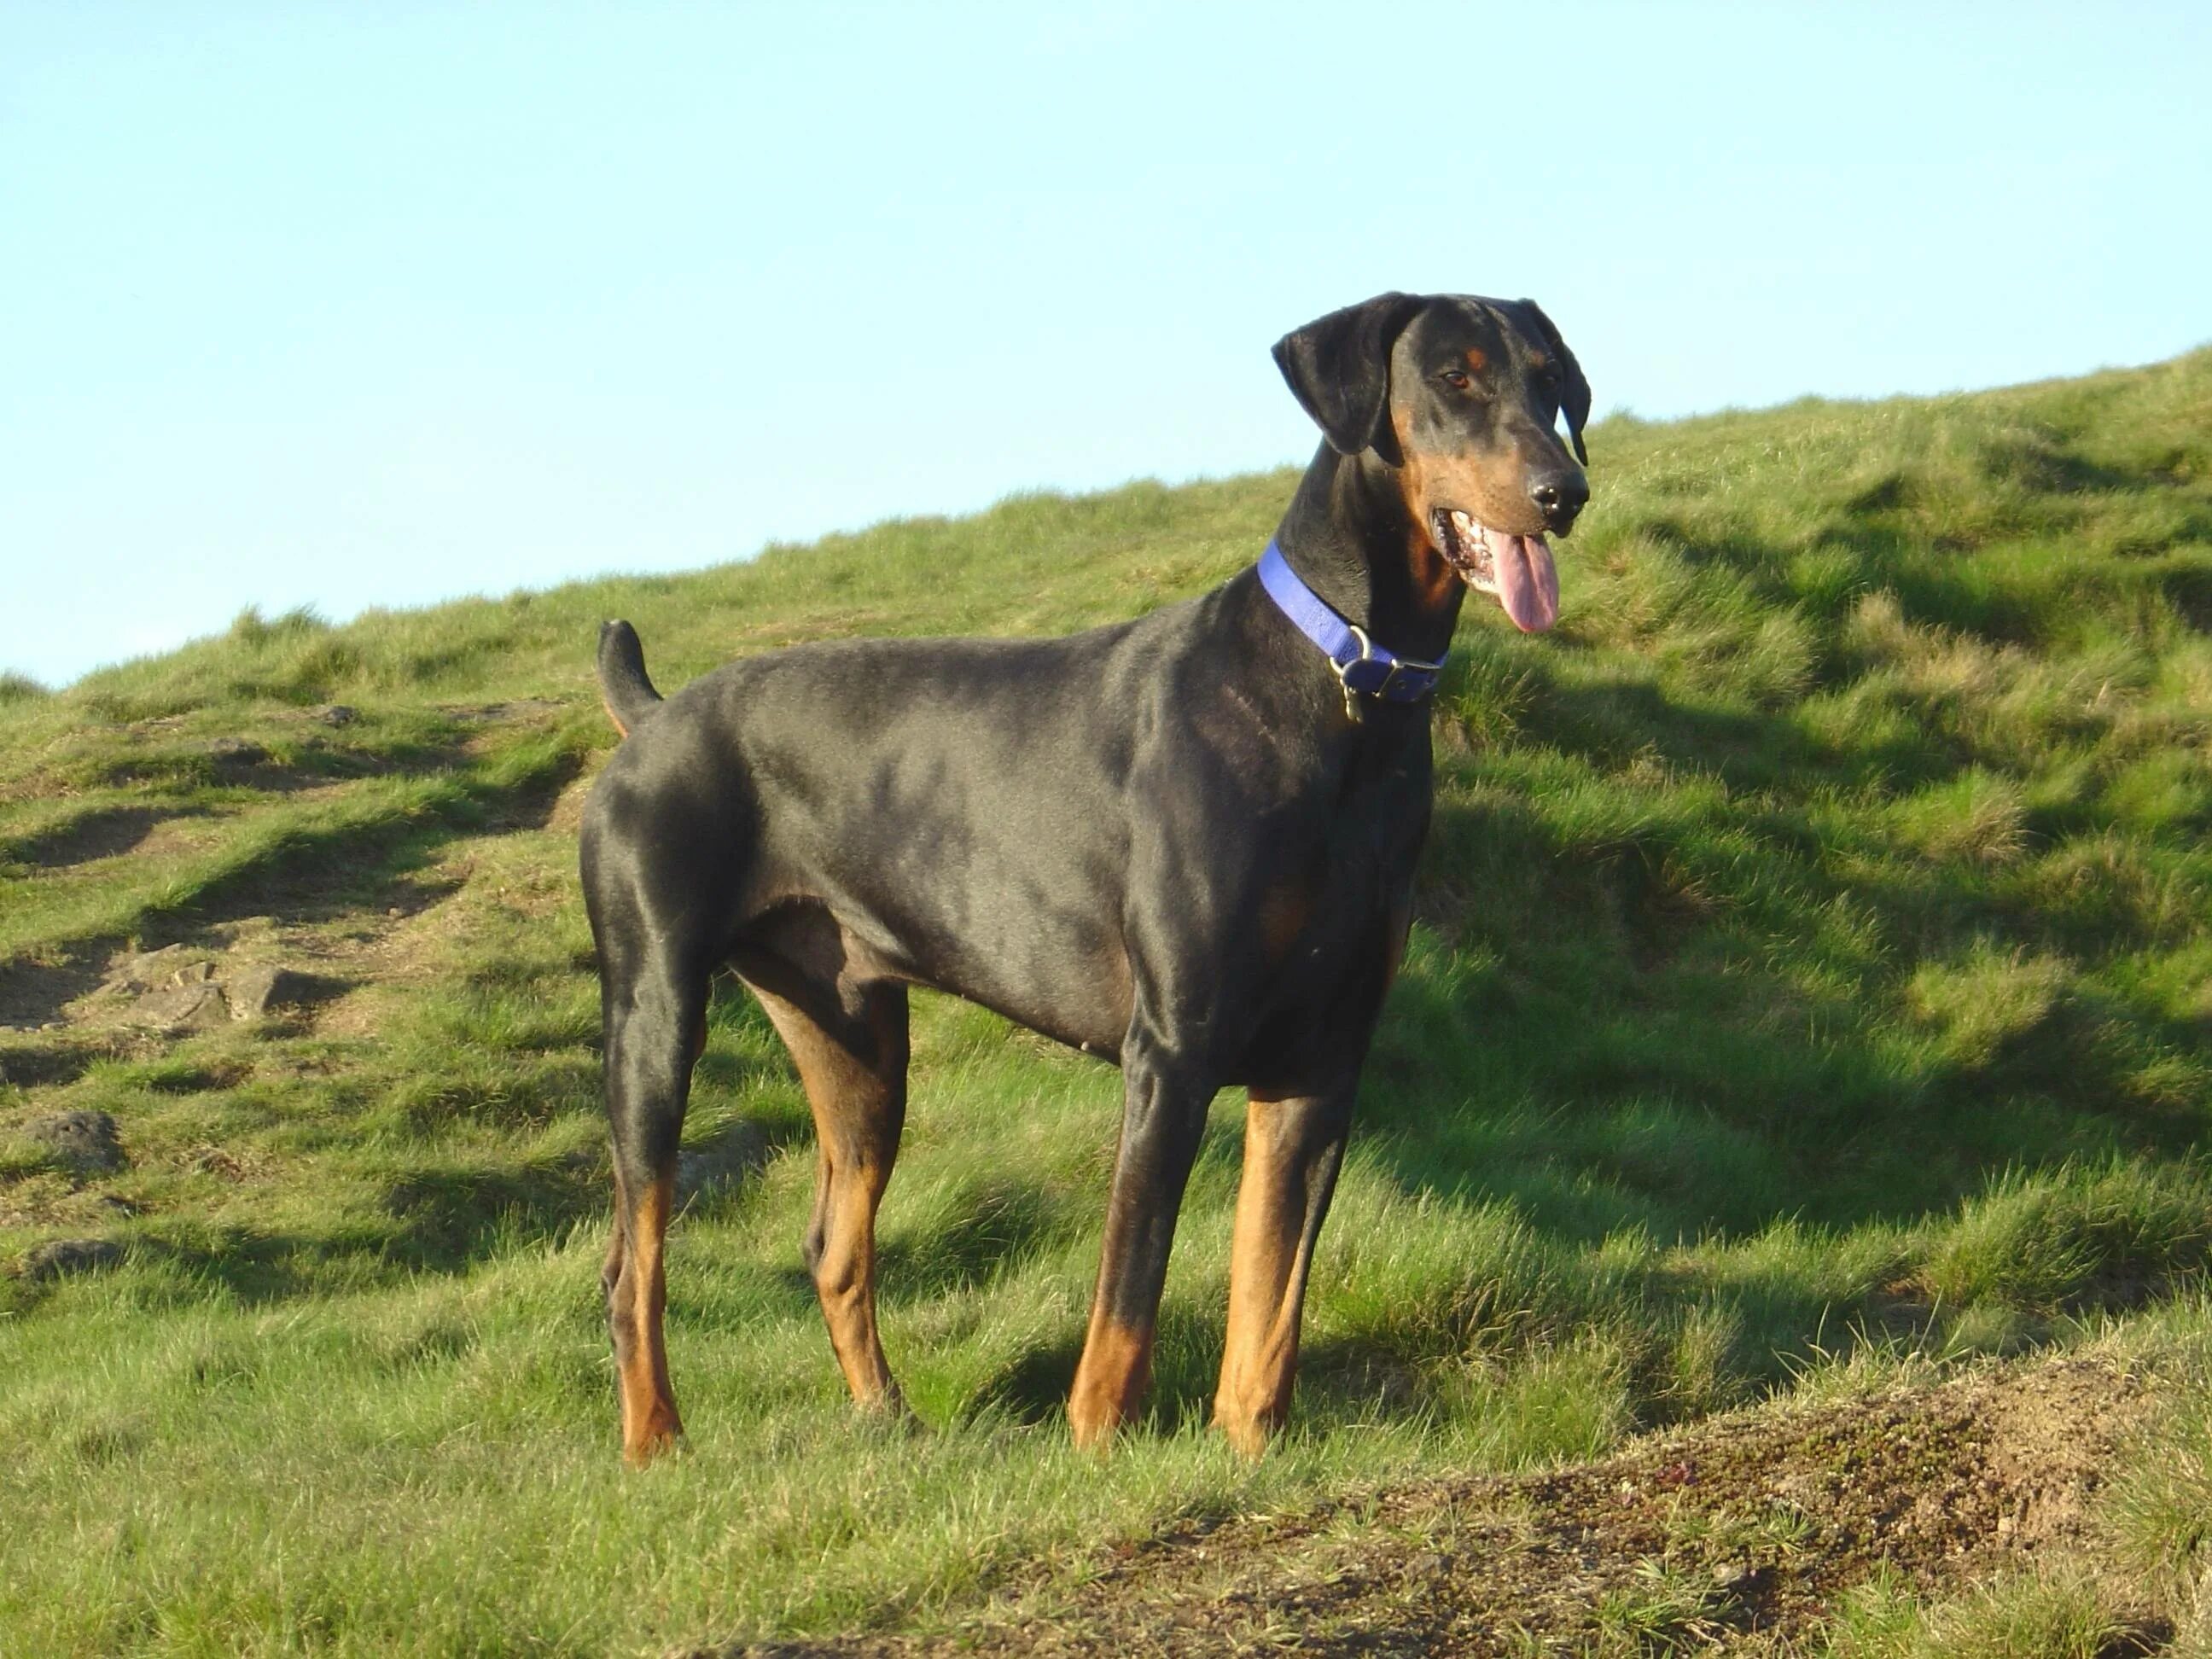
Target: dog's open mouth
[{"x": 1516, "y": 569}]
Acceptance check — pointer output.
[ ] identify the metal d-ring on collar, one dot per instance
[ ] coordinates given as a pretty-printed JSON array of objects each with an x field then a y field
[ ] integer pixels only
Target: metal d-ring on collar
[{"x": 1363, "y": 668}]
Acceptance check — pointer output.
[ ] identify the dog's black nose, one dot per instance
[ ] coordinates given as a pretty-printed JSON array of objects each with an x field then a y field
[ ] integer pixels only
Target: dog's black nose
[{"x": 1559, "y": 496}]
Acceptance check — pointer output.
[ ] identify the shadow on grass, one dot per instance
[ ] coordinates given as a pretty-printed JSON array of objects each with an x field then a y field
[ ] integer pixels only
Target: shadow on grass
[
  {"x": 105, "y": 832},
  {"x": 995, "y": 1224},
  {"x": 1703, "y": 1005},
  {"x": 1033, "y": 1387},
  {"x": 440, "y": 1221},
  {"x": 320, "y": 876},
  {"x": 450, "y": 1218}
]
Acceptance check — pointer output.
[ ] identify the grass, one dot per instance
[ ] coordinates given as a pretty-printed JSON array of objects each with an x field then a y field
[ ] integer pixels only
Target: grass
[
  {"x": 2049, "y": 1615},
  {"x": 1811, "y": 957}
]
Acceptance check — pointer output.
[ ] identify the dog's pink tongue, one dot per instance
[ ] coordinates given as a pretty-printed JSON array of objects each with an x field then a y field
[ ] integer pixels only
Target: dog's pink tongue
[{"x": 1528, "y": 580}]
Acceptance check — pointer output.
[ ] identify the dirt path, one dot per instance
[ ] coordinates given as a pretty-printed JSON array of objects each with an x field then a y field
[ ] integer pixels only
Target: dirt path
[{"x": 1735, "y": 1534}]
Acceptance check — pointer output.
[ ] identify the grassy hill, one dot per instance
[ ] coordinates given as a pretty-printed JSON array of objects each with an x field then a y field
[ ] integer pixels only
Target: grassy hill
[{"x": 1811, "y": 976}]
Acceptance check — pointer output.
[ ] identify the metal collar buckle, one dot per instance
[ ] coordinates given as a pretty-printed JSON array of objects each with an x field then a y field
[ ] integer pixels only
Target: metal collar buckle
[
  {"x": 1356, "y": 685},
  {"x": 1380, "y": 690},
  {"x": 1376, "y": 671},
  {"x": 1344, "y": 671}
]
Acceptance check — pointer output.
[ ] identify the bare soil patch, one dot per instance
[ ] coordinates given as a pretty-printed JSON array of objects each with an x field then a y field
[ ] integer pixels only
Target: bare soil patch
[{"x": 1736, "y": 1534}]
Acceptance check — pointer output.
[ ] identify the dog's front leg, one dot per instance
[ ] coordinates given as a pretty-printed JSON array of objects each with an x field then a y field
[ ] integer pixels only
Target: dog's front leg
[
  {"x": 1163, "y": 1112},
  {"x": 1294, "y": 1146}
]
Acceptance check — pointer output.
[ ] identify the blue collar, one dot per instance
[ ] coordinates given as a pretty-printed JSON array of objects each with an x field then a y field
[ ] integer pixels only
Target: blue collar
[{"x": 1364, "y": 666}]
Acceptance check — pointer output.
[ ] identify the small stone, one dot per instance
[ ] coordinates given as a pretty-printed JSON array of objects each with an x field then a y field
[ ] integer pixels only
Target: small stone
[
  {"x": 1738, "y": 1578},
  {"x": 337, "y": 714},
  {"x": 193, "y": 1006},
  {"x": 83, "y": 1142},
  {"x": 59, "y": 1257},
  {"x": 145, "y": 969},
  {"x": 258, "y": 990}
]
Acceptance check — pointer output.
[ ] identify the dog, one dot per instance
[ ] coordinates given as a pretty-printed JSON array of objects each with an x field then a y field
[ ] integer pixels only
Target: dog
[{"x": 1185, "y": 844}]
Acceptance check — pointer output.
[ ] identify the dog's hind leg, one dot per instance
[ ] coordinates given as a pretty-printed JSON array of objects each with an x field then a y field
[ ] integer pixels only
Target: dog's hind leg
[
  {"x": 850, "y": 1046},
  {"x": 655, "y": 1029}
]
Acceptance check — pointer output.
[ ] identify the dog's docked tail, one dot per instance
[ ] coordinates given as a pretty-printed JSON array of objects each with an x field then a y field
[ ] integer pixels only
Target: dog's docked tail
[{"x": 624, "y": 689}]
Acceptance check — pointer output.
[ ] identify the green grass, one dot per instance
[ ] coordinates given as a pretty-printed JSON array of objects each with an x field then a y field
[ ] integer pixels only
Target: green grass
[
  {"x": 1813, "y": 954},
  {"x": 2061, "y": 1615}
]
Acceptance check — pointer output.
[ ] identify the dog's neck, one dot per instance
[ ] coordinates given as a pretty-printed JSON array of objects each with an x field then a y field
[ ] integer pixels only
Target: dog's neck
[{"x": 1349, "y": 537}]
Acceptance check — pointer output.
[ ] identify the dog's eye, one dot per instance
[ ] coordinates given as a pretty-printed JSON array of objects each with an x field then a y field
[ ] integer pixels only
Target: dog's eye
[{"x": 1457, "y": 379}]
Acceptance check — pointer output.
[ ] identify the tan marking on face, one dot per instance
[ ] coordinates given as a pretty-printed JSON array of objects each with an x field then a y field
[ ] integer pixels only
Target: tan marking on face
[
  {"x": 1538, "y": 360},
  {"x": 1433, "y": 578},
  {"x": 1477, "y": 359},
  {"x": 1485, "y": 484}
]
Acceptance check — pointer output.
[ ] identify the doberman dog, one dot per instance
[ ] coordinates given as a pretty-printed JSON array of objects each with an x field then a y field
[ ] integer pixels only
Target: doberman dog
[{"x": 1184, "y": 843}]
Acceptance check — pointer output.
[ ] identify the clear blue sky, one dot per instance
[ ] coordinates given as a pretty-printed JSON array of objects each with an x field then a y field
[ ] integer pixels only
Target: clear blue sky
[{"x": 351, "y": 305}]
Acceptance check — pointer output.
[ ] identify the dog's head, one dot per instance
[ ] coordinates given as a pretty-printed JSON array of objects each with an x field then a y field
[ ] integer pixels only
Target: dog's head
[{"x": 1460, "y": 397}]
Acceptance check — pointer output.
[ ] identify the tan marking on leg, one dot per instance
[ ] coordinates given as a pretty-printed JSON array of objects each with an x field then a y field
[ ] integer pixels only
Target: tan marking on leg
[
  {"x": 650, "y": 1423},
  {"x": 1284, "y": 909},
  {"x": 858, "y": 1142},
  {"x": 1110, "y": 1380},
  {"x": 1267, "y": 1285}
]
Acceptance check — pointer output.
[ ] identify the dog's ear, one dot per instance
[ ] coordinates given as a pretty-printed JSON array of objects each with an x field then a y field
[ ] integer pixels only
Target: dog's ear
[
  {"x": 1339, "y": 368},
  {"x": 1574, "y": 390}
]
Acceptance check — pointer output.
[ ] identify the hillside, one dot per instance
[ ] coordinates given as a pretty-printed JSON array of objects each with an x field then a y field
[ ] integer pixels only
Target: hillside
[{"x": 1811, "y": 984}]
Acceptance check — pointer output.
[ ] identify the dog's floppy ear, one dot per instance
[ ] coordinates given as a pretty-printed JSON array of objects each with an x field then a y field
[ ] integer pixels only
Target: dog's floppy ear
[
  {"x": 1574, "y": 390},
  {"x": 1339, "y": 368}
]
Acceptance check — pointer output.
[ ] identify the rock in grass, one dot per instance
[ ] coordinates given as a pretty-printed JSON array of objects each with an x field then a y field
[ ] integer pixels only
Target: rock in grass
[
  {"x": 58, "y": 1257},
  {"x": 259, "y": 990},
  {"x": 195, "y": 1005},
  {"x": 170, "y": 965},
  {"x": 82, "y": 1142}
]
